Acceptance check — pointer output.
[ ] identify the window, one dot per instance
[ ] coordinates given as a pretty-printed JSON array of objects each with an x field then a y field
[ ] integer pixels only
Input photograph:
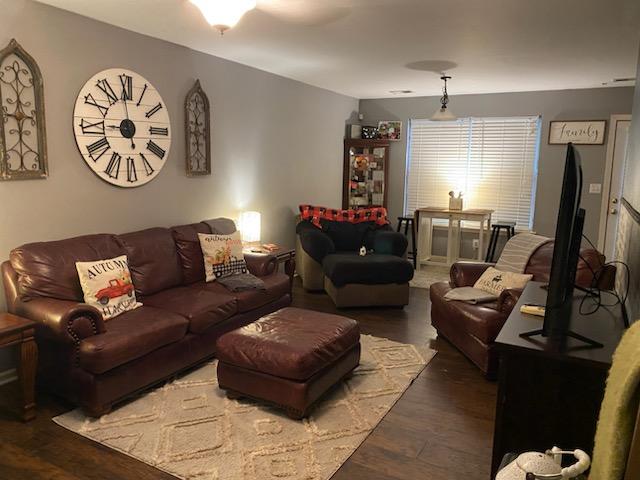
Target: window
[{"x": 493, "y": 161}]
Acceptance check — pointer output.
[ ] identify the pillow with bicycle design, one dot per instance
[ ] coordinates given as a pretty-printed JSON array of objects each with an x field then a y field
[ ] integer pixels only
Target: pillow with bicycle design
[
  {"x": 222, "y": 255},
  {"x": 107, "y": 285}
]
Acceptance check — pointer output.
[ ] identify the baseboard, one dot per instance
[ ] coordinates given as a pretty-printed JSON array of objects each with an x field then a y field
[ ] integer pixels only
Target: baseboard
[{"x": 8, "y": 376}]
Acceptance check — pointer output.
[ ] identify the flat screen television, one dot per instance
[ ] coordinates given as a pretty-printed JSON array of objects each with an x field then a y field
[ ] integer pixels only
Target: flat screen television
[{"x": 566, "y": 252}]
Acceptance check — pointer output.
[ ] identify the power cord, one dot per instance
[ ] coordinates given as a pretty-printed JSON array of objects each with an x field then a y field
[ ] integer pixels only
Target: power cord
[{"x": 597, "y": 293}]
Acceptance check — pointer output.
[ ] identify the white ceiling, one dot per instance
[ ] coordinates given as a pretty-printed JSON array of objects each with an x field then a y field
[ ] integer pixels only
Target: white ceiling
[{"x": 365, "y": 48}]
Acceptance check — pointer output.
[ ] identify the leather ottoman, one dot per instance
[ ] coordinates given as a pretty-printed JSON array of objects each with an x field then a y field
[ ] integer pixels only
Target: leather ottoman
[{"x": 289, "y": 358}]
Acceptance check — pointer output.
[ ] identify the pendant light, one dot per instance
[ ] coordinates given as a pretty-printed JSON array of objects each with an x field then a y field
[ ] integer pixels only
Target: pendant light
[
  {"x": 224, "y": 14},
  {"x": 443, "y": 113}
]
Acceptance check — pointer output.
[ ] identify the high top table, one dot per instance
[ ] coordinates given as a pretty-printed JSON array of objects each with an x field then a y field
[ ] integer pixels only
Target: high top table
[{"x": 424, "y": 223}]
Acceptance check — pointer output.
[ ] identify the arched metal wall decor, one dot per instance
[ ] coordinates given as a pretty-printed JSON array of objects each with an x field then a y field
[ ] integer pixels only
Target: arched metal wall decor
[
  {"x": 23, "y": 145},
  {"x": 198, "y": 131}
]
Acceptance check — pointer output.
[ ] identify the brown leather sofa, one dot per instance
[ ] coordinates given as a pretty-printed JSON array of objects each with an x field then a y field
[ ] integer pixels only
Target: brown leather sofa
[
  {"x": 473, "y": 328},
  {"x": 95, "y": 363}
]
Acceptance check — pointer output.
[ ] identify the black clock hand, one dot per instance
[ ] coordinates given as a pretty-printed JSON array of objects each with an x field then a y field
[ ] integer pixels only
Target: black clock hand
[{"x": 126, "y": 111}]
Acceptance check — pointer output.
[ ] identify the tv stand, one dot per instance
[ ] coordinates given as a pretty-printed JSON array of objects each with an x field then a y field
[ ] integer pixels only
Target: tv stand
[
  {"x": 547, "y": 395},
  {"x": 570, "y": 334}
]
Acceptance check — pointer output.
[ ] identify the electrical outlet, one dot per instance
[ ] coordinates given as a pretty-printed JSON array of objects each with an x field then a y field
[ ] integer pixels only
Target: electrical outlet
[
  {"x": 476, "y": 244},
  {"x": 595, "y": 188}
]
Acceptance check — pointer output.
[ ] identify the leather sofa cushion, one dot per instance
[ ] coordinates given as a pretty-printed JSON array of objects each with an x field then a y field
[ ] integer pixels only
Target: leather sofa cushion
[
  {"x": 129, "y": 336},
  {"x": 482, "y": 321},
  {"x": 153, "y": 260},
  {"x": 277, "y": 285},
  {"x": 48, "y": 269},
  {"x": 291, "y": 343},
  {"x": 202, "y": 308},
  {"x": 375, "y": 269},
  {"x": 189, "y": 250},
  {"x": 220, "y": 225}
]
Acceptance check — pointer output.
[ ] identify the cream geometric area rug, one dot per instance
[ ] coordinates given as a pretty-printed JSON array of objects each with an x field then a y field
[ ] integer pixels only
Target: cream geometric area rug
[
  {"x": 189, "y": 428},
  {"x": 428, "y": 274}
]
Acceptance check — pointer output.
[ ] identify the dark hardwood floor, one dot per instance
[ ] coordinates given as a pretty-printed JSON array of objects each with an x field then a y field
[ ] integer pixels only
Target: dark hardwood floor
[{"x": 441, "y": 428}]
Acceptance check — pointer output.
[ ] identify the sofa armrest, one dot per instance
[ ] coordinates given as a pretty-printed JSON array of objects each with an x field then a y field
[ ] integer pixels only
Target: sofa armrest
[
  {"x": 508, "y": 299},
  {"x": 466, "y": 274},
  {"x": 316, "y": 243},
  {"x": 62, "y": 320},
  {"x": 390, "y": 242},
  {"x": 261, "y": 264}
]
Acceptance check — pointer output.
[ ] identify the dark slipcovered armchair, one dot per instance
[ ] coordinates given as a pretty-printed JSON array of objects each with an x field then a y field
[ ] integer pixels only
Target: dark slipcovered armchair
[{"x": 328, "y": 259}]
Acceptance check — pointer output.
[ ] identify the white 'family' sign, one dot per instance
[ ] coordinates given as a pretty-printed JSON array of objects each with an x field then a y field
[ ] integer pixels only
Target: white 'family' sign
[{"x": 580, "y": 133}]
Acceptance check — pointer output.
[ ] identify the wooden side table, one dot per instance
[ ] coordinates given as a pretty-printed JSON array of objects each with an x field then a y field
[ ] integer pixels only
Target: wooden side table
[{"x": 15, "y": 330}]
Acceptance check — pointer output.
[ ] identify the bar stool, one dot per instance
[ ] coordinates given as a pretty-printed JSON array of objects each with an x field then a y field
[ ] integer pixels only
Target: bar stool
[
  {"x": 408, "y": 222},
  {"x": 509, "y": 227}
]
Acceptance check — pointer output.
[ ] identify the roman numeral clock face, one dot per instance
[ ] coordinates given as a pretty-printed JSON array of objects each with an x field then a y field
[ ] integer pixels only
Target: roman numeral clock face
[{"x": 122, "y": 127}]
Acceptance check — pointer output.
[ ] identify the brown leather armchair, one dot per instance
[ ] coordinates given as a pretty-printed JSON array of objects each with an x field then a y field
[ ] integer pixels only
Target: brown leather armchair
[{"x": 473, "y": 328}]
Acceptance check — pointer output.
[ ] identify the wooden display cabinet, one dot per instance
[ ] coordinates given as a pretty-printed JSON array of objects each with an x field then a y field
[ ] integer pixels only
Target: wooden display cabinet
[{"x": 366, "y": 166}]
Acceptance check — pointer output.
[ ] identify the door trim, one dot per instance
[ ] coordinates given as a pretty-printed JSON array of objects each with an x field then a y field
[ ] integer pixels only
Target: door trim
[{"x": 608, "y": 172}]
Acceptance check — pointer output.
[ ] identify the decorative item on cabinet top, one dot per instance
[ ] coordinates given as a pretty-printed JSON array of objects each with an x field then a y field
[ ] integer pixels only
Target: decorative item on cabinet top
[
  {"x": 198, "y": 131},
  {"x": 122, "y": 127},
  {"x": 369, "y": 132},
  {"x": 23, "y": 139},
  {"x": 390, "y": 130}
]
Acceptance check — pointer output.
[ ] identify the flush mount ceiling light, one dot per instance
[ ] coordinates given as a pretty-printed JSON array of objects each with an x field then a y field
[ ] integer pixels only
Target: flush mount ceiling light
[
  {"x": 443, "y": 113},
  {"x": 224, "y": 14}
]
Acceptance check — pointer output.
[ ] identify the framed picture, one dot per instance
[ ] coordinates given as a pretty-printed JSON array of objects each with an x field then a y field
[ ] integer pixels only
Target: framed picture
[
  {"x": 583, "y": 132},
  {"x": 354, "y": 131},
  {"x": 368, "y": 132},
  {"x": 390, "y": 130}
]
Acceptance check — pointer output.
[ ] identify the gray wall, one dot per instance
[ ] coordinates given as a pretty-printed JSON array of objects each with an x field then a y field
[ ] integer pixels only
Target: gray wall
[
  {"x": 552, "y": 105},
  {"x": 276, "y": 142},
  {"x": 630, "y": 233}
]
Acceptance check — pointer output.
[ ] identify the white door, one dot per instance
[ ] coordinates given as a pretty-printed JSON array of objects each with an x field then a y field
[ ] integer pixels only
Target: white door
[{"x": 613, "y": 181}]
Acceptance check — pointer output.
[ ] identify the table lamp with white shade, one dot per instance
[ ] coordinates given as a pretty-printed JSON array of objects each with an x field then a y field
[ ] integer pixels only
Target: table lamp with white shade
[{"x": 249, "y": 226}]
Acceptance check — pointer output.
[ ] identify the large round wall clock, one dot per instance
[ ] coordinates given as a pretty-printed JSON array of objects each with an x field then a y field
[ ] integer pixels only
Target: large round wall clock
[{"x": 122, "y": 127}]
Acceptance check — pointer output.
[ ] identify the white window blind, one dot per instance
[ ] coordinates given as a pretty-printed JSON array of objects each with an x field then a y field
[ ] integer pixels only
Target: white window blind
[{"x": 493, "y": 161}]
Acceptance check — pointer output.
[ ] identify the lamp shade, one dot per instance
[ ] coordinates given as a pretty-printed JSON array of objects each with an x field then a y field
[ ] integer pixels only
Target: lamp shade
[
  {"x": 249, "y": 226},
  {"x": 443, "y": 115},
  {"x": 224, "y": 14}
]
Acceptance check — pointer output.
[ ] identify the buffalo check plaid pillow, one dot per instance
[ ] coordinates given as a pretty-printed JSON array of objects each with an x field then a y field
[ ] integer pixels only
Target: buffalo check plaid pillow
[{"x": 314, "y": 214}]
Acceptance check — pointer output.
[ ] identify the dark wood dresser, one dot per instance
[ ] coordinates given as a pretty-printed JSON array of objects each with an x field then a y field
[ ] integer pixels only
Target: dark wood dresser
[{"x": 548, "y": 397}]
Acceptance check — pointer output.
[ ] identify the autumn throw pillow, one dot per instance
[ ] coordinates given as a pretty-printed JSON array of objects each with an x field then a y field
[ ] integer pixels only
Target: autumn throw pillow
[
  {"x": 495, "y": 281},
  {"x": 107, "y": 285},
  {"x": 222, "y": 255}
]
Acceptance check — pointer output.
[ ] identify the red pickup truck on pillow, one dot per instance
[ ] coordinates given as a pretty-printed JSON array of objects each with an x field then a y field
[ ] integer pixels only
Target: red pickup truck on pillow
[{"x": 116, "y": 288}]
